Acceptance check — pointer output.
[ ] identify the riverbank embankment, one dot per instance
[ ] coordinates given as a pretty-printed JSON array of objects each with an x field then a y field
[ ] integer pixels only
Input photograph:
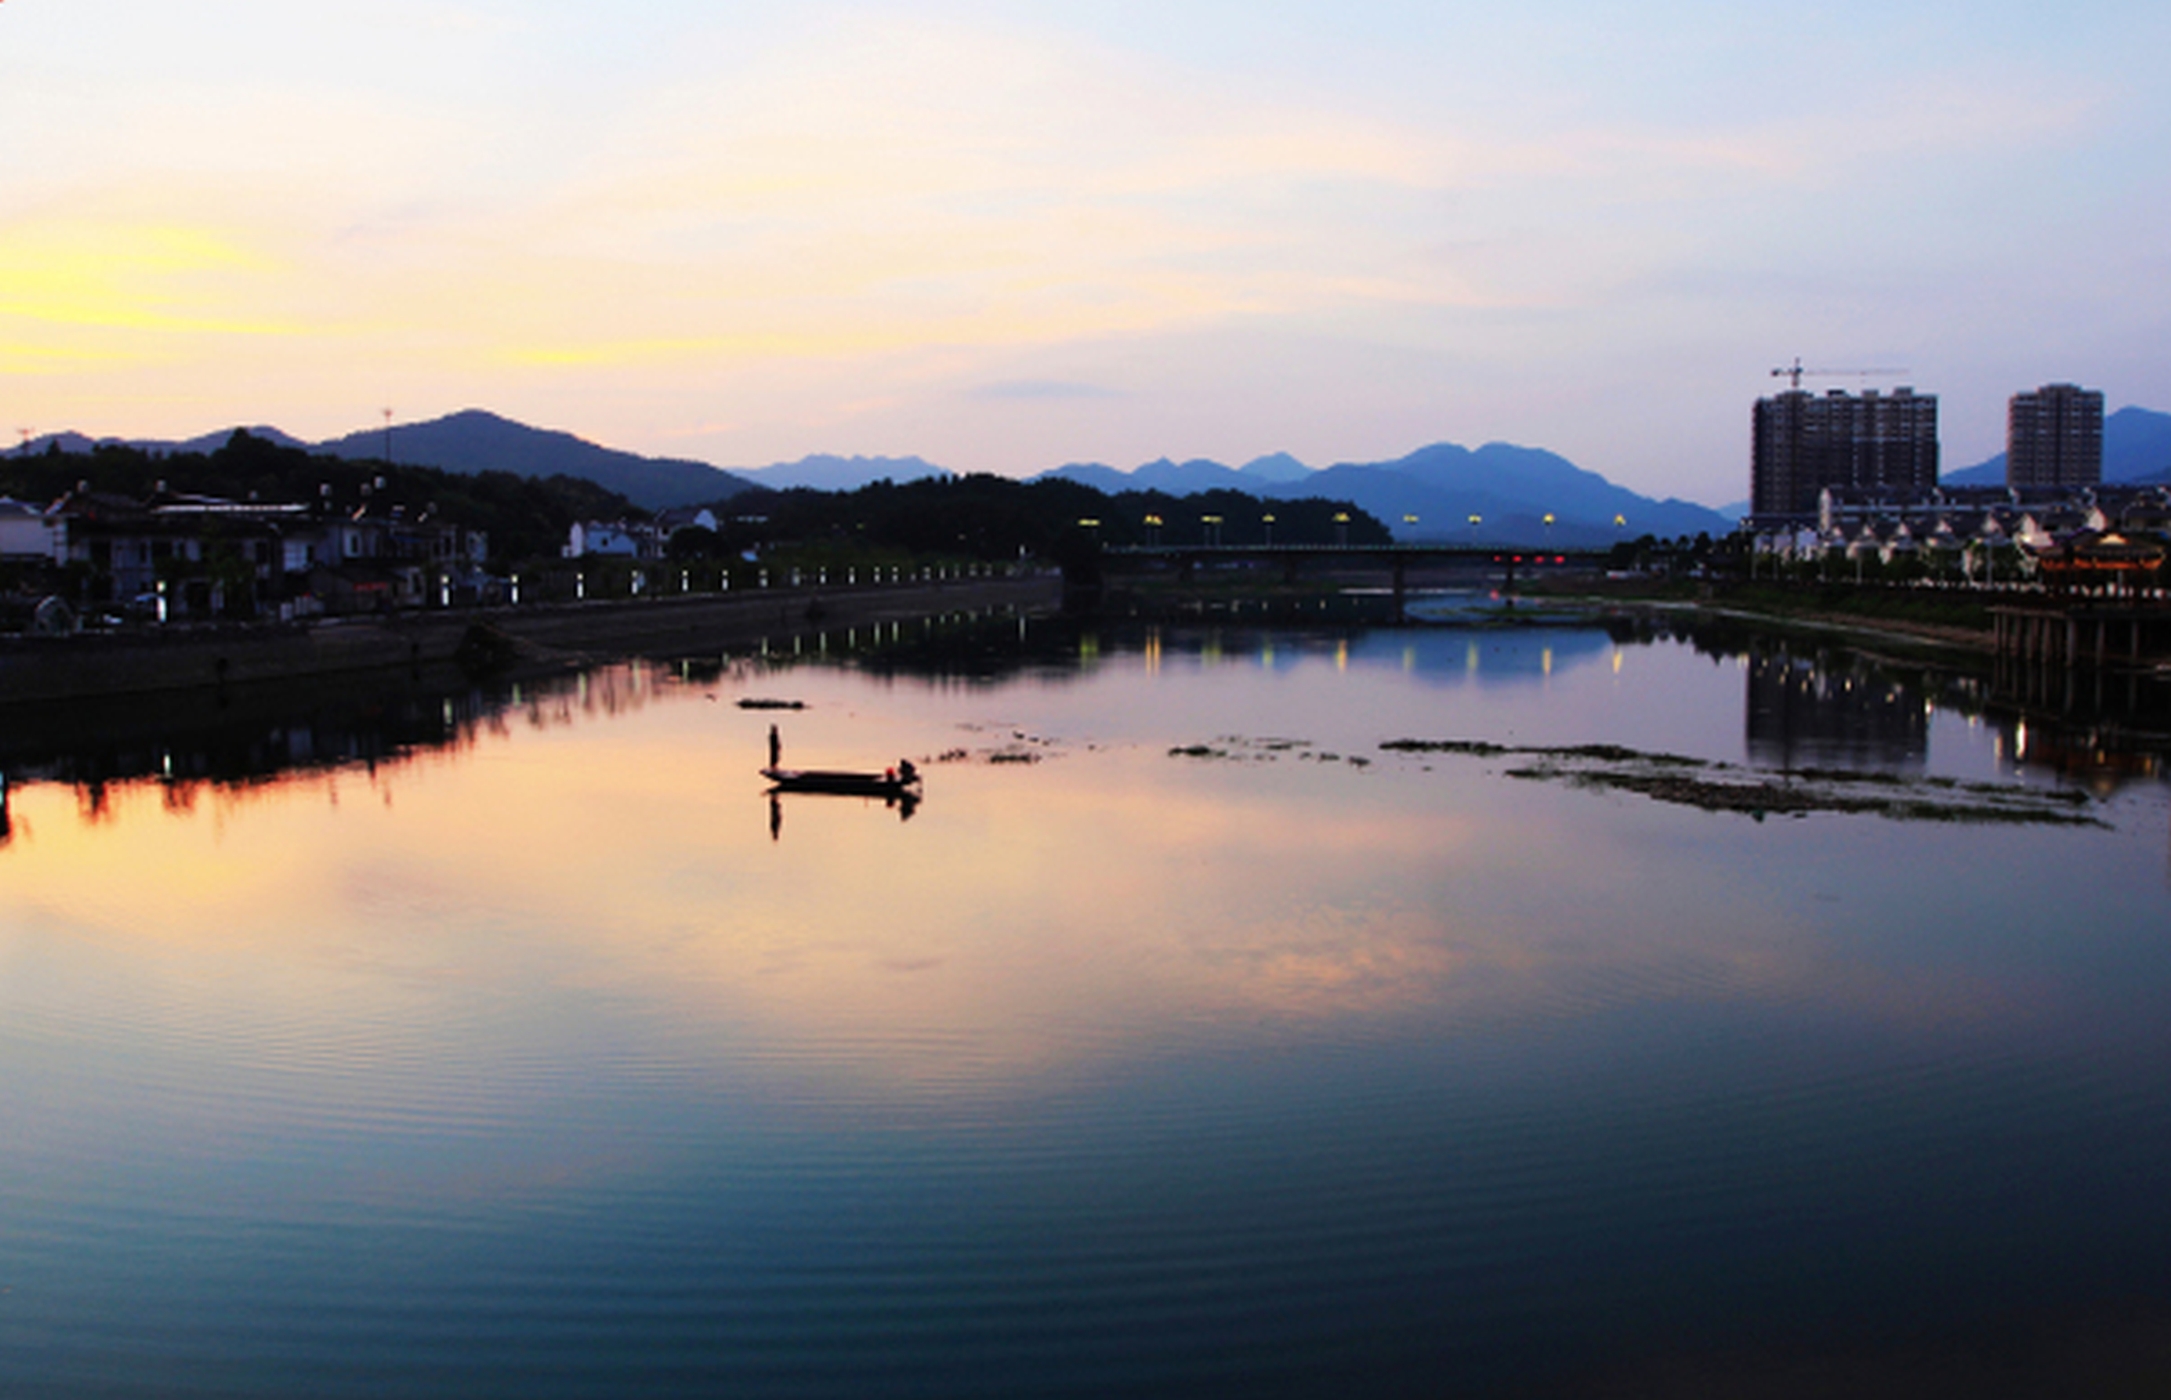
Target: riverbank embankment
[
  {"x": 1949, "y": 621},
  {"x": 42, "y": 670}
]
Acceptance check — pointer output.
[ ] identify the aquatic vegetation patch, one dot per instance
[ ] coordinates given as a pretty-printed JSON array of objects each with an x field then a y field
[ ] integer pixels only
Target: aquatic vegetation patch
[
  {"x": 1013, "y": 746},
  {"x": 1758, "y": 793},
  {"x": 1238, "y": 748},
  {"x": 1614, "y": 753},
  {"x": 1475, "y": 748}
]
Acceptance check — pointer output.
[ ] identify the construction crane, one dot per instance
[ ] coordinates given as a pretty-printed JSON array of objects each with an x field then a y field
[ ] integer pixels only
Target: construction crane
[{"x": 1793, "y": 373}]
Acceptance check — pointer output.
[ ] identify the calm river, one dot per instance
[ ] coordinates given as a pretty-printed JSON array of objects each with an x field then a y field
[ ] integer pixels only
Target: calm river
[{"x": 1183, "y": 1040}]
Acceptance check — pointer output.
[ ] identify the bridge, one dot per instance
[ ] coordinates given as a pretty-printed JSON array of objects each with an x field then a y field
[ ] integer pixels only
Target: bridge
[{"x": 1394, "y": 560}]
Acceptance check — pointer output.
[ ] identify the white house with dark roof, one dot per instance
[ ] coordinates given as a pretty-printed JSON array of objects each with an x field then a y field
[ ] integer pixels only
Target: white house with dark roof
[
  {"x": 27, "y": 532},
  {"x": 616, "y": 539}
]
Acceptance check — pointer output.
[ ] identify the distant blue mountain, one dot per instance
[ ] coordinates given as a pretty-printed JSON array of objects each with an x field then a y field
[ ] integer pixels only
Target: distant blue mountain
[
  {"x": 1990, "y": 472},
  {"x": 2136, "y": 448},
  {"x": 475, "y": 441},
  {"x": 1098, "y": 475},
  {"x": 1188, "y": 478},
  {"x": 1279, "y": 466},
  {"x": 827, "y": 473},
  {"x": 1536, "y": 482},
  {"x": 1511, "y": 489}
]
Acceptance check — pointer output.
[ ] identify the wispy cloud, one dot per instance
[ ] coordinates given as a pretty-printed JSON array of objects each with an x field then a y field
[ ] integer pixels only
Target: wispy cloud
[{"x": 1042, "y": 389}]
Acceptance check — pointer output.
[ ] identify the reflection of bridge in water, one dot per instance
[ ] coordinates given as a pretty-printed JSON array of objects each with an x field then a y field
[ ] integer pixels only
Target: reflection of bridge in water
[{"x": 1389, "y": 563}]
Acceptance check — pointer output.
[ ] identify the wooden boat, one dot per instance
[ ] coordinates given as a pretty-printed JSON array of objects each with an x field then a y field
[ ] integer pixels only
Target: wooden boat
[{"x": 894, "y": 783}]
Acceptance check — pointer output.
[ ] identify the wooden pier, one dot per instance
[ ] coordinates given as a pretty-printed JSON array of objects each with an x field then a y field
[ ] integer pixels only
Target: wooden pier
[{"x": 2093, "y": 634}]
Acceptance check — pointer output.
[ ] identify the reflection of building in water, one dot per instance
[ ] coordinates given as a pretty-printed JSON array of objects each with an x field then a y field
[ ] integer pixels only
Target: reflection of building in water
[
  {"x": 2089, "y": 757},
  {"x": 1803, "y": 715}
]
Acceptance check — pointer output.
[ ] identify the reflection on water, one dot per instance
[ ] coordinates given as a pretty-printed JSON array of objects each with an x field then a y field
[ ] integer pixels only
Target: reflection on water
[
  {"x": 1803, "y": 706},
  {"x": 495, "y": 1042},
  {"x": 1802, "y": 714},
  {"x": 904, "y": 804}
]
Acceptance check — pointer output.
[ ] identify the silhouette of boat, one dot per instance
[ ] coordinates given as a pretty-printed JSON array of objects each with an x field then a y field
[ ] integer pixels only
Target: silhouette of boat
[{"x": 894, "y": 783}]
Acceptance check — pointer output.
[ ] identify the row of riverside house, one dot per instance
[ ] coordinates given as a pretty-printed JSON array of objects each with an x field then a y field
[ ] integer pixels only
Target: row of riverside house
[
  {"x": 173, "y": 555},
  {"x": 1961, "y": 526}
]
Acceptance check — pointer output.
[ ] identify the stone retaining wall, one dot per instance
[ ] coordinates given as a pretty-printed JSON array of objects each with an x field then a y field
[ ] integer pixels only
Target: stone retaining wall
[{"x": 45, "y": 669}]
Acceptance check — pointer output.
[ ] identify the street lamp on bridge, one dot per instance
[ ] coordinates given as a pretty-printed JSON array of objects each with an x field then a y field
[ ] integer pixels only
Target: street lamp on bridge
[
  {"x": 1213, "y": 528},
  {"x": 1341, "y": 527},
  {"x": 1268, "y": 521}
]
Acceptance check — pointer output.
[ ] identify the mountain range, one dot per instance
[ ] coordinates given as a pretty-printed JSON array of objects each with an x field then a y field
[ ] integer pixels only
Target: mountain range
[
  {"x": 1511, "y": 489},
  {"x": 1431, "y": 493}
]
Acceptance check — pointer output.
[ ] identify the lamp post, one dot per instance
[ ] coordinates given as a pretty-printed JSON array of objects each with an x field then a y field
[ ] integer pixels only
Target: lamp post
[
  {"x": 1153, "y": 531},
  {"x": 1210, "y": 527},
  {"x": 1475, "y": 521},
  {"x": 1268, "y": 521},
  {"x": 1341, "y": 527}
]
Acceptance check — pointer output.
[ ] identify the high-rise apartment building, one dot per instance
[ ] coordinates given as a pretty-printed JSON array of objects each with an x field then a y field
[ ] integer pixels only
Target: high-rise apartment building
[
  {"x": 1866, "y": 444},
  {"x": 2054, "y": 437}
]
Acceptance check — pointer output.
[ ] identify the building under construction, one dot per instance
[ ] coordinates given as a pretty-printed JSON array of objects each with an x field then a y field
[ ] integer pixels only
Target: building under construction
[{"x": 1865, "y": 444}]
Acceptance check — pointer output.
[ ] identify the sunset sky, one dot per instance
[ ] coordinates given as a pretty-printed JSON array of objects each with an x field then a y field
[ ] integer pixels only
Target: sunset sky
[{"x": 1004, "y": 236}]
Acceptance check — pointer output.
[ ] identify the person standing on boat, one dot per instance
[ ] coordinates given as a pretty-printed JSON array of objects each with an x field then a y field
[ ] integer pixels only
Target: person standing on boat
[
  {"x": 906, "y": 773},
  {"x": 776, "y": 747}
]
